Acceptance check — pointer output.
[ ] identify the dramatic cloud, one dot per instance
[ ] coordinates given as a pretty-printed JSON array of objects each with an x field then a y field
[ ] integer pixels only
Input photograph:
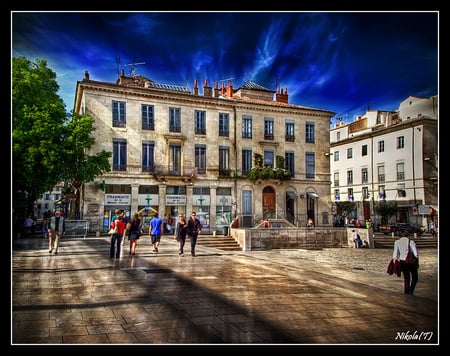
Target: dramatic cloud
[{"x": 338, "y": 61}]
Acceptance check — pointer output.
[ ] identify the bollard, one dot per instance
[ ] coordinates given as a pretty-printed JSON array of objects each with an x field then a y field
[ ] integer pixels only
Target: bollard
[
  {"x": 415, "y": 235},
  {"x": 393, "y": 235},
  {"x": 97, "y": 234},
  {"x": 214, "y": 232}
]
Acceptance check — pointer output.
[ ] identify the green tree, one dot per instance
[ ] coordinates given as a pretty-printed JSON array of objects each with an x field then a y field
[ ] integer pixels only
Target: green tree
[
  {"x": 345, "y": 208},
  {"x": 386, "y": 209},
  {"x": 38, "y": 116},
  {"x": 49, "y": 146},
  {"x": 80, "y": 167}
]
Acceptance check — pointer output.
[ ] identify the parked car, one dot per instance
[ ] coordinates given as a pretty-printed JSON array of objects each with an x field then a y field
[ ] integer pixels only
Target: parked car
[{"x": 398, "y": 227}]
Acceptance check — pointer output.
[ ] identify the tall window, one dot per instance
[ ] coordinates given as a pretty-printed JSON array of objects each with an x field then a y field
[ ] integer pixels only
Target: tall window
[
  {"x": 175, "y": 159},
  {"x": 364, "y": 176},
  {"x": 336, "y": 156},
  {"x": 290, "y": 131},
  {"x": 380, "y": 146},
  {"x": 148, "y": 120},
  {"x": 200, "y": 122},
  {"x": 365, "y": 192},
  {"x": 310, "y": 132},
  {"x": 349, "y": 153},
  {"x": 224, "y": 124},
  {"x": 310, "y": 165},
  {"x": 337, "y": 195},
  {"x": 200, "y": 158},
  {"x": 268, "y": 128},
  {"x": 119, "y": 155},
  {"x": 118, "y": 114},
  {"x": 224, "y": 161},
  {"x": 289, "y": 158},
  {"x": 246, "y": 127},
  {"x": 381, "y": 192},
  {"x": 401, "y": 190},
  {"x": 148, "y": 156},
  {"x": 364, "y": 150},
  {"x": 247, "y": 202},
  {"x": 246, "y": 160},
  {"x": 400, "y": 171},
  {"x": 400, "y": 142},
  {"x": 349, "y": 177},
  {"x": 269, "y": 158},
  {"x": 350, "y": 194},
  {"x": 174, "y": 120},
  {"x": 381, "y": 175},
  {"x": 336, "y": 179}
]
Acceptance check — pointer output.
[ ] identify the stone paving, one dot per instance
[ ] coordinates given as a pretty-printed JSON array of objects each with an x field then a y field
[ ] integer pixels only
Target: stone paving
[{"x": 337, "y": 296}]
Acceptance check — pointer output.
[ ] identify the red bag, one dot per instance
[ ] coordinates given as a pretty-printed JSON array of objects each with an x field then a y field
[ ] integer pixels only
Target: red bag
[{"x": 410, "y": 258}]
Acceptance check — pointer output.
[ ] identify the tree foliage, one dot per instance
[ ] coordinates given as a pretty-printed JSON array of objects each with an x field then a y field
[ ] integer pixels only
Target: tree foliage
[
  {"x": 259, "y": 171},
  {"x": 386, "y": 209},
  {"x": 38, "y": 116},
  {"x": 48, "y": 144},
  {"x": 345, "y": 208}
]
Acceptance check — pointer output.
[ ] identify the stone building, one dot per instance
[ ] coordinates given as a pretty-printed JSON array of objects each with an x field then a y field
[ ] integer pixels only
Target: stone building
[{"x": 225, "y": 153}]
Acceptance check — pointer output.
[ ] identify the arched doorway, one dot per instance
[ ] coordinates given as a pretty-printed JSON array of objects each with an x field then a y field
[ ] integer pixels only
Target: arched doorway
[
  {"x": 311, "y": 207},
  {"x": 268, "y": 203}
]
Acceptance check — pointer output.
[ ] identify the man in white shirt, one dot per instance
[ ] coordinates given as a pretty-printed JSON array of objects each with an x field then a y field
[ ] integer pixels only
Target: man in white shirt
[
  {"x": 410, "y": 272},
  {"x": 56, "y": 229}
]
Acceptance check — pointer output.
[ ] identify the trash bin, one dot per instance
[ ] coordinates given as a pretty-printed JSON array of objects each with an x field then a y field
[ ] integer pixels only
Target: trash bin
[{"x": 225, "y": 230}]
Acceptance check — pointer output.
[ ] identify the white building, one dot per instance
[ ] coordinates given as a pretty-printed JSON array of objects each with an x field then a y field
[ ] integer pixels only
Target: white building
[
  {"x": 390, "y": 156},
  {"x": 177, "y": 151}
]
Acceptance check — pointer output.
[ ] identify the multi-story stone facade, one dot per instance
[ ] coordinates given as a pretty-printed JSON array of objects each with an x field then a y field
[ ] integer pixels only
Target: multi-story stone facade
[{"x": 176, "y": 150}]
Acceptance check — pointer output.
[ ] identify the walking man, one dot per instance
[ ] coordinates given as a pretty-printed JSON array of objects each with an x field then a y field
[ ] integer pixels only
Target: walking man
[
  {"x": 155, "y": 231},
  {"x": 56, "y": 229},
  {"x": 194, "y": 228}
]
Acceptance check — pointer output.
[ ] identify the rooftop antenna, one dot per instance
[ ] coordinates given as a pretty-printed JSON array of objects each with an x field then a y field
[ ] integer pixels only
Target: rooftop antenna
[
  {"x": 225, "y": 80},
  {"x": 118, "y": 65},
  {"x": 133, "y": 67}
]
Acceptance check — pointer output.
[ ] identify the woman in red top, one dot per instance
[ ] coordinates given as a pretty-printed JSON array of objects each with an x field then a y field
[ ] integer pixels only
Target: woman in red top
[{"x": 116, "y": 239}]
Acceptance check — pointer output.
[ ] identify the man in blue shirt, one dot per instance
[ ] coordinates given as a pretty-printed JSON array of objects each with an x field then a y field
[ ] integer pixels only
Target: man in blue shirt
[{"x": 155, "y": 231}]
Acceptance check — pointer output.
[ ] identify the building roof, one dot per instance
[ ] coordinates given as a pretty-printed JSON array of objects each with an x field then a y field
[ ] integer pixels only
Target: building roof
[{"x": 254, "y": 86}]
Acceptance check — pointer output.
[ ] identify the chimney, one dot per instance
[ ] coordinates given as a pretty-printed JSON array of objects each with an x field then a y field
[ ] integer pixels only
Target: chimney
[
  {"x": 86, "y": 75},
  {"x": 229, "y": 90},
  {"x": 122, "y": 73},
  {"x": 216, "y": 89},
  {"x": 282, "y": 95},
  {"x": 195, "y": 87},
  {"x": 207, "y": 91}
]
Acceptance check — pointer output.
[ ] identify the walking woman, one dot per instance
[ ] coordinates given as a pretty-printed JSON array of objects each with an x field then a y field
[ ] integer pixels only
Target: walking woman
[
  {"x": 180, "y": 233},
  {"x": 135, "y": 233}
]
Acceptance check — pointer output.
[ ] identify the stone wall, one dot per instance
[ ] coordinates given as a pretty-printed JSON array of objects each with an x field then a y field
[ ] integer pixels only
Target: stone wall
[{"x": 290, "y": 238}]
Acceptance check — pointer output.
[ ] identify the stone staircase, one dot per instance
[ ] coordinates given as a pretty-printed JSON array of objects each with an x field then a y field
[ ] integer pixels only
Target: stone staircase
[
  {"x": 421, "y": 242},
  {"x": 226, "y": 243}
]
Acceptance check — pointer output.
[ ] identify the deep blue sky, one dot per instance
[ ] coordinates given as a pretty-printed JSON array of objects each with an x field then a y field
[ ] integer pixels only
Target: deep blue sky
[{"x": 337, "y": 61}]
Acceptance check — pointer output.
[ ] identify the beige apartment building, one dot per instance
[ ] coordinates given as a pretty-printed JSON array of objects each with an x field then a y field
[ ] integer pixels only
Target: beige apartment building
[{"x": 178, "y": 150}]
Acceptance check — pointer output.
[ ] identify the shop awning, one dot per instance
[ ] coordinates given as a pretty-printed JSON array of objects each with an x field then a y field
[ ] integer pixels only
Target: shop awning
[
  {"x": 291, "y": 195},
  {"x": 312, "y": 195}
]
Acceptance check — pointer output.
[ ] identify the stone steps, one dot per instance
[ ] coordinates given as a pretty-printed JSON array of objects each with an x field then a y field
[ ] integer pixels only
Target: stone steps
[
  {"x": 226, "y": 243},
  {"x": 421, "y": 242}
]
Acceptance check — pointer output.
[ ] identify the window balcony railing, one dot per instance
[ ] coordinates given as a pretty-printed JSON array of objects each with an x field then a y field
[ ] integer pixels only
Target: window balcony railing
[
  {"x": 146, "y": 126},
  {"x": 290, "y": 138}
]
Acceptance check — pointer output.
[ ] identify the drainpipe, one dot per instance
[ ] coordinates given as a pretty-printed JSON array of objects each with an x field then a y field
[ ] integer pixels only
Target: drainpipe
[{"x": 235, "y": 159}]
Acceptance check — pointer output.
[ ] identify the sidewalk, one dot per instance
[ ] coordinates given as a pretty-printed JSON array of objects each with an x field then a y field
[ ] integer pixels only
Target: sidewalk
[{"x": 290, "y": 297}]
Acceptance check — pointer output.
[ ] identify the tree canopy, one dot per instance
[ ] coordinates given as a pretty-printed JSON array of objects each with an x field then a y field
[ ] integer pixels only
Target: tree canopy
[{"x": 49, "y": 145}]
